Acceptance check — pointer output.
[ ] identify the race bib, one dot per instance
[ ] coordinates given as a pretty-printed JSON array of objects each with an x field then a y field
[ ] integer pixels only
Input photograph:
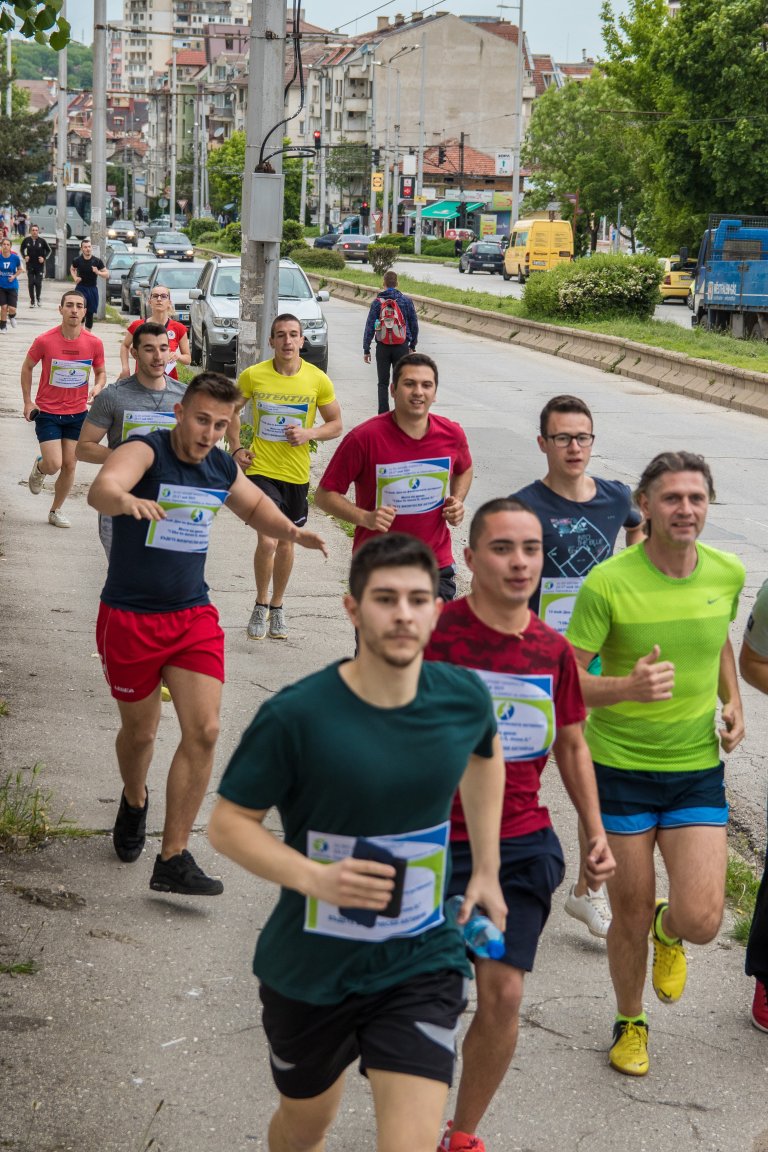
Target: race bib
[
  {"x": 142, "y": 423},
  {"x": 189, "y": 515},
  {"x": 556, "y": 600},
  {"x": 275, "y": 419},
  {"x": 525, "y": 713},
  {"x": 426, "y": 852},
  {"x": 413, "y": 486},
  {"x": 70, "y": 373}
]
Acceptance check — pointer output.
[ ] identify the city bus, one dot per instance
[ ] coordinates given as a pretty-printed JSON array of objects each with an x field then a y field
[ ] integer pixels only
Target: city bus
[{"x": 78, "y": 213}]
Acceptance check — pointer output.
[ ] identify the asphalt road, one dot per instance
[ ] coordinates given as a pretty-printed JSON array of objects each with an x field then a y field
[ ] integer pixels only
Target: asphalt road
[{"x": 142, "y": 1021}]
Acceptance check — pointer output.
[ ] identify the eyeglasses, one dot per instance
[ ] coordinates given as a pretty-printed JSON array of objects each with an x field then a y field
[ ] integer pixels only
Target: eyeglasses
[
  {"x": 563, "y": 440},
  {"x": 160, "y": 296}
]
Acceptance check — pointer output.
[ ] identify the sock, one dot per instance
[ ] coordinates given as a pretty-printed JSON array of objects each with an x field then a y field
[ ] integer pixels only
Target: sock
[
  {"x": 659, "y": 932},
  {"x": 641, "y": 1019},
  {"x": 278, "y": 606}
]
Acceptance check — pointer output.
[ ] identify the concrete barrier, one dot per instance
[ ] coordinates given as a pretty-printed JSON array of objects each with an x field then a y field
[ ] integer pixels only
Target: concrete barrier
[{"x": 705, "y": 380}]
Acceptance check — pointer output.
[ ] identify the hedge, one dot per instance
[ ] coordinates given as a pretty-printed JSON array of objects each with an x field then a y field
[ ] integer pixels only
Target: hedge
[
  {"x": 198, "y": 226},
  {"x": 600, "y": 286},
  {"x": 324, "y": 258}
]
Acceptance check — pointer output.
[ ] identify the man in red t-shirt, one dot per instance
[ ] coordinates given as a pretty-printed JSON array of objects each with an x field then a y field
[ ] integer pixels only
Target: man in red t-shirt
[
  {"x": 532, "y": 676},
  {"x": 410, "y": 469},
  {"x": 73, "y": 372}
]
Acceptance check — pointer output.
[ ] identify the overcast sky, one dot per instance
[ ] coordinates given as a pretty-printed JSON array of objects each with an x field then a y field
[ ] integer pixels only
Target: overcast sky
[{"x": 560, "y": 27}]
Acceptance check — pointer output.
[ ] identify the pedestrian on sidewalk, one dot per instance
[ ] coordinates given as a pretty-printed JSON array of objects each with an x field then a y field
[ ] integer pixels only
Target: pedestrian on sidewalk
[
  {"x": 72, "y": 373},
  {"x": 581, "y": 518},
  {"x": 85, "y": 270},
  {"x": 286, "y": 393},
  {"x": 350, "y": 966},
  {"x": 35, "y": 250},
  {"x": 410, "y": 469},
  {"x": 658, "y": 615},
  {"x": 394, "y": 326},
  {"x": 532, "y": 676},
  {"x": 161, "y": 312},
  {"x": 10, "y": 263},
  {"x": 135, "y": 406},
  {"x": 156, "y": 621}
]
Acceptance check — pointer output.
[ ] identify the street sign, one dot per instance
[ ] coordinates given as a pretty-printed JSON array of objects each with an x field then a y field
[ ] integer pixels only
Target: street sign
[
  {"x": 162, "y": 202},
  {"x": 182, "y": 204},
  {"x": 407, "y": 187},
  {"x": 377, "y": 181},
  {"x": 408, "y": 164},
  {"x": 504, "y": 163},
  {"x": 420, "y": 200}
]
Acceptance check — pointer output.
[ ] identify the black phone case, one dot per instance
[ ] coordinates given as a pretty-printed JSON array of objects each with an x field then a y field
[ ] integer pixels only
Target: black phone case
[{"x": 366, "y": 850}]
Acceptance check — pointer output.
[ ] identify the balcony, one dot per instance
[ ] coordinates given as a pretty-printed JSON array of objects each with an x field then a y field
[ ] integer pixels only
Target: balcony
[{"x": 356, "y": 104}]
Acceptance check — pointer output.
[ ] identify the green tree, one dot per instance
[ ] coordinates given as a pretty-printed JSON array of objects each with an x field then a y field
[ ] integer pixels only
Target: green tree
[
  {"x": 40, "y": 21},
  {"x": 26, "y": 151},
  {"x": 292, "y": 191},
  {"x": 225, "y": 172},
  {"x": 31, "y": 61},
  {"x": 348, "y": 167},
  {"x": 576, "y": 152}
]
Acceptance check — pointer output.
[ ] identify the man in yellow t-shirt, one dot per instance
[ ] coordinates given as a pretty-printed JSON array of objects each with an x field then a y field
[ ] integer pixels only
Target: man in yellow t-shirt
[{"x": 286, "y": 394}]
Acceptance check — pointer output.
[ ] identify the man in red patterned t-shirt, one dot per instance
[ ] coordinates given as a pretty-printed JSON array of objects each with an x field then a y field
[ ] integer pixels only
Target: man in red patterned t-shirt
[{"x": 532, "y": 676}]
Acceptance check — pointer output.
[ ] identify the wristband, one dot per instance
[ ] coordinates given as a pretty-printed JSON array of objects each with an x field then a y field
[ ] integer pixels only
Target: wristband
[{"x": 240, "y": 449}]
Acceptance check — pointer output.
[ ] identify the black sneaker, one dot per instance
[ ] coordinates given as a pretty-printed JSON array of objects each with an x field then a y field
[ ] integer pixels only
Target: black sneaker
[
  {"x": 181, "y": 874},
  {"x": 130, "y": 830}
]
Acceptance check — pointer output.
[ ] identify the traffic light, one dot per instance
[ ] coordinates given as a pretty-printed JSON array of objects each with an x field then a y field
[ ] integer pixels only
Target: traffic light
[
  {"x": 377, "y": 156},
  {"x": 441, "y": 154},
  {"x": 363, "y": 207},
  {"x": 318, "y": 139}
]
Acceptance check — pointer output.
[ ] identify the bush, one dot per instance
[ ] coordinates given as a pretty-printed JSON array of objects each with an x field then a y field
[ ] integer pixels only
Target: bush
[
  {"x": 404, "y": 243},
  {"x": 382, "y": 257},
  {"x": 198, "y": 227},
  {"x": 600, "y": 287},
  {"x": 208, "y": 238},
  {"x": 292, "y": 247},
  {"x": 319, "y": 258},
  {"x": 231, "y": 237},
  {"x": 438, "y": 247},
  {"x": 293, "y": 235}
]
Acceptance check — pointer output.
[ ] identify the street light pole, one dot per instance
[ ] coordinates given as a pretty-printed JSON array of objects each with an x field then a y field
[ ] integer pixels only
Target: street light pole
[
  {"x": 61, "y": 164},
  {"x": 99, "y": 142},
  {"x": 396, "y": 164},
  {"x": 385, "y": 213},
  {"x": 518, "y": 120},
  {"x": 173, "y": 137},
  {"x": 196, "y": 155},
  {"x": 373, "y": 64},
  {"x": 420, "y": 167}
]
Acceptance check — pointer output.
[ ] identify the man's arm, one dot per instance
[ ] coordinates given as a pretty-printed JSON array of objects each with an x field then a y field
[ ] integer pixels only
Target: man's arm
[
  {"x": 578, "y": 775},
  {"x": 334, "y": 504},
  {"x": 110, "y": 492},
  {"x": 453, "y": 508},
  {"x": 753, "y": 667},
  {"x": 413, "y": 325},
  {"x": 732, "y": 713},
  {"x": 89, "y": 448},
  {"x": 370, "y": 328},
  {"x": 260, "y": 513},
  {"x": 239, "y": 833},
  {"x": 330, "y": 429},
  {"x": 242, "y": 456},
  {"x": 26, "y": 385},
  {"x": 99, "y": 381},
  {"x": 103, "y": 272},
  {"x": 634, "y": 535},
  {"x": 74, "y": 274},
  {"x": 650, "y": 679},
  {"x": 482, "y": 793}
]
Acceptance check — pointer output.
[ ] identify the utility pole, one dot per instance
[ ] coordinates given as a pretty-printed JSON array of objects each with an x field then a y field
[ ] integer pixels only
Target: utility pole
[
  {"x": 305, "y": 160},
  {"x": 396, "y": 164},
  {"x": 320, "y": 156},
  {"x": 203, "y": 157},
  {"x": 196, "y": 155},
  {"x": 385, "y": 213},
  {"x": 462, "y": 204},
  {"x": 262, "y": 213},
  {"x": 420, "y": 168},
  {"x": 9, "y": 70},
  {"x": 518, "y": 120},
  {"x": 373, "y": 64},
  {"x": 174, "y": 126},
  {"x": 61, "y": 164},
  {"x": 99, "y": 143}
]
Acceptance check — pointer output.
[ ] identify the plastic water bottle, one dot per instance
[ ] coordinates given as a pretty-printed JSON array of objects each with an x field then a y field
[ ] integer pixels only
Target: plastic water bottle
[{"x": 480, "y": 934}]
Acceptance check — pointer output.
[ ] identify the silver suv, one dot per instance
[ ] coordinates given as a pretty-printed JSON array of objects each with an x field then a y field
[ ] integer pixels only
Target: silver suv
[{"x": 215, "y": 314}]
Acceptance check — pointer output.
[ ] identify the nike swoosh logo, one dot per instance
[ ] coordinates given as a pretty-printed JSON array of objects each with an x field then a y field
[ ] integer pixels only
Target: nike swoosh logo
[{"x": 715, "y": 600}]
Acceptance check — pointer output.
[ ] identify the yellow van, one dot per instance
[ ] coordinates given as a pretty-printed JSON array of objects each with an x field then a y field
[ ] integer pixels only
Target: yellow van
[{"x": 537, "y": 246}]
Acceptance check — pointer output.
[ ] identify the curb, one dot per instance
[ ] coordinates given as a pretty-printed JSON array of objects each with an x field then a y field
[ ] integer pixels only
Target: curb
[{"x": 736, "y": 388}]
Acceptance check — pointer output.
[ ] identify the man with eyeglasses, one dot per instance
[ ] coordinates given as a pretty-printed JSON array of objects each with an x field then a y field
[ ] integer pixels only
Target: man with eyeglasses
[
  {"x": 179, "y": 352},
  {"x": 581, "y": 517}
]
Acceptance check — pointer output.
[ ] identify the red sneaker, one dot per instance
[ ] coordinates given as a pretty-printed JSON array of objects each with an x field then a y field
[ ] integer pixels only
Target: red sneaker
[
  {"x": 445, "y": 1139},
  {"x": 760, "y": 1007},
  {"x": 465, "y": 1142}
]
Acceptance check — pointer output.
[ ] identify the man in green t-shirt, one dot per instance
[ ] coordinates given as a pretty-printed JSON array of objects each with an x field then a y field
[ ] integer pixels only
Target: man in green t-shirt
[
  {"x": 658, "y": 615},
  {"x": 345, "y": 974},
  {"x": 286, "y": 394}
]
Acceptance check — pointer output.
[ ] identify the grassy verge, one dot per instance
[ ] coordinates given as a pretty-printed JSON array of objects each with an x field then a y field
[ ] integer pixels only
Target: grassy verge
[
  {"x": 720, "y": 349},
  {"x": 25, "y": 820},
  {"x": 741, "y": 885}
]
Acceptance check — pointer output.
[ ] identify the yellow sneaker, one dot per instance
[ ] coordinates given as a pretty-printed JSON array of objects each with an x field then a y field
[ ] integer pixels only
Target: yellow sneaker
[
  {"x": 629, "y": 1051},
  {"x": 670, "y": 967}
]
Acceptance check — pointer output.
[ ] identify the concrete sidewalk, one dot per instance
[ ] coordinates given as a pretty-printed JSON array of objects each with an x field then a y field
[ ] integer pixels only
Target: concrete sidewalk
[{"x": 142, "y": 1022}]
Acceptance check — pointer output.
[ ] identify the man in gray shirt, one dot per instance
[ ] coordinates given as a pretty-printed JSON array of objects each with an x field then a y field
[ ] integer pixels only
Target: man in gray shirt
[{"x": 135, "y": 406}]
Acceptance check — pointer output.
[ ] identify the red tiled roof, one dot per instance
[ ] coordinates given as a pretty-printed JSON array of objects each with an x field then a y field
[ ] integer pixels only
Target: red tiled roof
[
  {"x": 475, "y": 163},
  {"x": 189, "y": 58}
]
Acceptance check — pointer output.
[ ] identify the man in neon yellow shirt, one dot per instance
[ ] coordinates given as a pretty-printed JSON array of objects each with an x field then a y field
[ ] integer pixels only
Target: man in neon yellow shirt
[
  {"x": 286, "y": 393},
  {"x": 658, "y": 615}
]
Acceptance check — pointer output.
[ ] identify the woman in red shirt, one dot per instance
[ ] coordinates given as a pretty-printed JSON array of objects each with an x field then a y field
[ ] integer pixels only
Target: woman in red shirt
[{"x": 178, "y": 342}]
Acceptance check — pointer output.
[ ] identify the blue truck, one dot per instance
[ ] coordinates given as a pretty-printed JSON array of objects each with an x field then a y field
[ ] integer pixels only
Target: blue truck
[{"x": 730, "y": 289}]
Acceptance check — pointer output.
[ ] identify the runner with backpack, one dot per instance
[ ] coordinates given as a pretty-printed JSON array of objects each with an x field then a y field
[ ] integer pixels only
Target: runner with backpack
[{"x": 393, "y": 324}]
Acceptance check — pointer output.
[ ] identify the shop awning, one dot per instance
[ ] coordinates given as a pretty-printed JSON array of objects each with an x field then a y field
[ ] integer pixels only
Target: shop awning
[{"x": 444, "y": 210}]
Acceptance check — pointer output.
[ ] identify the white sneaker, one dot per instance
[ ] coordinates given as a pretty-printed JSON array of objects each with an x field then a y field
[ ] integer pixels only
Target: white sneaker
[
  {"x": 58, "y": 519},
  {"x": 12, "y": 321},
  {"x": 36, "y": 478},
  {"x": 592, "y": 909}
]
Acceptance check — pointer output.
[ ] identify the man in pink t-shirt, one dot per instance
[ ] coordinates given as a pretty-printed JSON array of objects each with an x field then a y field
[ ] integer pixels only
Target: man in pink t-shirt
[
  {"x": 73, "y": 372},
  {"x": 410, "y": 469}
]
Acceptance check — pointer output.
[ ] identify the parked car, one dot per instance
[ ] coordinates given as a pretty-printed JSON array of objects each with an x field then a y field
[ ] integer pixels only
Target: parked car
[
  {"x": 677, "y": 279},
  {"x": 118, "y": 264},
  {"x": 327, "y": 241},
  {"x": 117, "y": 246},
  {"x": 138, "y": 271},
  {"x": 178, "y": 279},
  {"x": 172, "y": 246},
  {"x": 152, "y": 227},
  {"x": 482, "y": 257},
  {"x": 123, "y": 230},
  {"x": 354, "y": 247},
  {"x": 215, "y": 314}
]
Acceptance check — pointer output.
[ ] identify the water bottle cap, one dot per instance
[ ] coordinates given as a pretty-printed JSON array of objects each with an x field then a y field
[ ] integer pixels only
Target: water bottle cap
[{"x": 496, "y": 949}]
